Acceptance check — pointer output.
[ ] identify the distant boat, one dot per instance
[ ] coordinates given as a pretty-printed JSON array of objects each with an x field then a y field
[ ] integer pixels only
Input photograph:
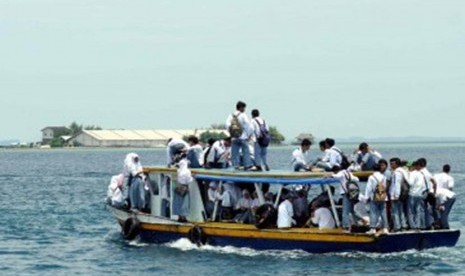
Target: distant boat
[{"x": 152, "y": 226}]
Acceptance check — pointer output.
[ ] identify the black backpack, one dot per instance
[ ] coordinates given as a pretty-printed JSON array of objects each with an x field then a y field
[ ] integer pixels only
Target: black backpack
[
  {"x": 345, "y": 161},
  {"x": 264, "y": 139}
]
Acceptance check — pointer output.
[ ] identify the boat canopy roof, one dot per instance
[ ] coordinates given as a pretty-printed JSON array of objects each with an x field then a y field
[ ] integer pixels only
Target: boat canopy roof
[{"x": 272, "y": 177}]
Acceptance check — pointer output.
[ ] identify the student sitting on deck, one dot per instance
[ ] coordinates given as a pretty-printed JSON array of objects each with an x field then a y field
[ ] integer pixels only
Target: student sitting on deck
[{"x": 286, "y": 212}]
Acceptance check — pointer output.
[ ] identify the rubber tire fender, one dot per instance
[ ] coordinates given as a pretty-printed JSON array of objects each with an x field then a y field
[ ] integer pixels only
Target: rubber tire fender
[
  {"x": 197, "y": 236},
  {"x": 130, "y": 228}
]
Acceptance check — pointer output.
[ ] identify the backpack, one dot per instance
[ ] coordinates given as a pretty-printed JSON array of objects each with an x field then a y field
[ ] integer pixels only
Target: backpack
[
  {"x": 352, "y": 188},
  {"x": 404, "y": 189},
  {"x": 265, "y": 137},
  {"x": 380, "y": 194},
  {"x": 235, "y": 129},
  {"x": 344, "y": 160}
]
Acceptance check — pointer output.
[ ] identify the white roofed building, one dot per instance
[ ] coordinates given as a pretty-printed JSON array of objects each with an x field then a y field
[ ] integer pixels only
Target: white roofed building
[{"x": 132, "y": 138}]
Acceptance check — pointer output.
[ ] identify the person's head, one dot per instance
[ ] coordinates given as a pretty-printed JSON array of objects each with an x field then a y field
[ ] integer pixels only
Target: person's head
[
  {"x": 383, "y": 165},
  {"x": 377, "y": 167},
  {"x": 193, "y": 140},
  {"x": 329, "y": 142},
  {"x": 227, "y": 141},
  {"x": 446, "y": 168},
  {"x": 212, "y": 185},
  {"x": 322, "y": 145},
  {"x": 240, "y": 106},
  {"x": 394, "y": 163},
  {"x": 305, "y": 144},
  {"x": 211, "y": 141},
  {"x": 363, "y": 147},
  {"x": 336, "y": 169},
  {"x": 255, "y": 113},
  {"x": 422, "y": 162},
  {"x": 246, "y": 193}
]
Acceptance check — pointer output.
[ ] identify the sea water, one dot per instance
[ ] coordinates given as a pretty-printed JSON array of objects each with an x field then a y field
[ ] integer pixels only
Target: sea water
[{"x": 54, "y": 222}]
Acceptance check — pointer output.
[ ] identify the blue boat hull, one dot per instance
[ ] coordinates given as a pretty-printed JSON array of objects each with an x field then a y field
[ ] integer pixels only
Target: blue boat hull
[{"x": 383, "y": 244}]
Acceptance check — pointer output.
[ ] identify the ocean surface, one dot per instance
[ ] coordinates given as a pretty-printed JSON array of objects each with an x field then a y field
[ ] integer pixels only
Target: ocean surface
[{"x": 54, "y": 222}]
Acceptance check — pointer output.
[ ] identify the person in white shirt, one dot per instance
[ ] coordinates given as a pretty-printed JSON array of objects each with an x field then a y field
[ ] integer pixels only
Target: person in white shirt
[
  {"x": 286, "y": 212},
  {"x": 323, "y": 218},
  {"x": 260, "y": 152},
  {"x": 115, "y": 193},
  {"x": 416, "y": 202},
  {"x": 397, "y": 204},
  {"x": 132, "y": 170},
  {"x": 239, "y": 145},
  {"x": 181, "y": 195},
  {"x": 446, "y": 199},
  {"x": 211, "y": 198},
  {"x": 195, "y": 152},
  {"x": 300, "y": 157},
  {"x": 344, "y": 176},
  {"x": 431, "y": 213},
  {"x": 444, "y": 180},
  {"x": 174, "y": 148},
  {"x": 244, "y": 208},
  {"x": 324, "y": 153},
  {"x": 378, "y": 198},
  {"x": 218, "y": 156},
  {"x": 333, "y": 157}
]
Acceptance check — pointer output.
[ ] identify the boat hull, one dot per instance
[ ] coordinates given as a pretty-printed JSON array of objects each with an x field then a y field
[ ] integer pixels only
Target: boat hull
[{"x": 162, "y": 230}]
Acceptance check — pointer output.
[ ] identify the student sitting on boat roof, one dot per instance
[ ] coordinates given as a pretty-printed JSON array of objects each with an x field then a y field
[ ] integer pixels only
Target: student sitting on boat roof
[
  {"x": 195, "y": 152},
  {"x": 174, "y": 148},
  {"x": 333, "y": 157},
  {"x": 219, "y": 154},
  {"x": 365, "y": 158},
  {"x": 300, "y": 156}
]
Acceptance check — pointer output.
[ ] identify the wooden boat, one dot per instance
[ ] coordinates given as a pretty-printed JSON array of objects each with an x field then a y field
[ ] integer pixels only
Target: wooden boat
[{"x": 153, "y": 226}]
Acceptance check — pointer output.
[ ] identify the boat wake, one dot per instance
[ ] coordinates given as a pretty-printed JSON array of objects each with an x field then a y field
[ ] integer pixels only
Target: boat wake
[{"x": 185, "y": 245}]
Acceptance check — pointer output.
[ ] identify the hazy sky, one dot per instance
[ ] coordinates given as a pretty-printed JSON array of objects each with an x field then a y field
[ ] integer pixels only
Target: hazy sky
[{"x": 333, "y": 68}]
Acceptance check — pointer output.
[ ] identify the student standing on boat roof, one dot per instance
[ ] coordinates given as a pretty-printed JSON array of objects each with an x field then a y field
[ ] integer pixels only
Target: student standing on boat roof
[
  {"x": 416, "y": 203},
  {"x": 431, "y": 214},
  {"x": 300, "y": 156},
  {"x": 444, "y": 180},
  {"x": 344, "y": 177},
  {"x": 261, "y": 135},
  {"x": 396, "y": 197},
  {"x": 376, "y": 191},
  {"x": 240, "y": 131}
]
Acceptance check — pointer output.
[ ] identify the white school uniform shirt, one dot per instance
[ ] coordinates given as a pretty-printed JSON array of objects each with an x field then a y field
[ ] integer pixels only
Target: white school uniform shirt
[
  {"x": 372, "y": 182},
  {"x": 342, "y": 176},
  {"x": 285, "y": 214},
  {"x": 298, "y": 156},
  {"x": 199, "y": 152},
  {"x": 444, "y": 194},
  {"x": 417, "y": 184},
  {"x": 247, "y": 129},
  {"x": 444, "y": 181},
  {"x": 114, "y": 192},
  {"x": 218, "y": 151},
  {"x": 428, "y": 177},
  {"x": 256, "y": 127},
  {"x": 323, "y": 218},
  {"x": 184, "y": 176},
  {"x": 396, "y": 183},
  {"x": 335, "y": 158}
]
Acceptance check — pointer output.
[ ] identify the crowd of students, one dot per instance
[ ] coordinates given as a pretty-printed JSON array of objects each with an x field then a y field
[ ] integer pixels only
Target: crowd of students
[{"x": 398, "y": 195}]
